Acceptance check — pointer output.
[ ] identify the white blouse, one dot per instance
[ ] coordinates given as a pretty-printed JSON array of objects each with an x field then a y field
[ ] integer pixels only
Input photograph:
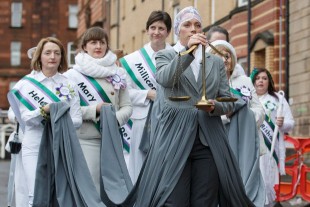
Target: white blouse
[
  {"x": 33, "y": 119},
  {"x": 271, "y": 104},
  {"x": 138, "y": 96}
]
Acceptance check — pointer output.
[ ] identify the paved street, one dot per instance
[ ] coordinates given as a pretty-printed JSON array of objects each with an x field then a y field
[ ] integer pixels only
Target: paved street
[{"x": 4, "y": 174}]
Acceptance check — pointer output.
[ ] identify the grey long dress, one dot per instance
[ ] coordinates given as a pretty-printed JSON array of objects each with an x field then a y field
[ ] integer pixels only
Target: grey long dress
[
  {"x": 244, "y": 141},
  {"x": 177, "y": 129},
  {"x": 62, "y": 176}
]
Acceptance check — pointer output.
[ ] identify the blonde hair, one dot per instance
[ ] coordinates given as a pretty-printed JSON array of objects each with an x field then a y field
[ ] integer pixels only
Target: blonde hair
[{"x": 36, "y": 59}]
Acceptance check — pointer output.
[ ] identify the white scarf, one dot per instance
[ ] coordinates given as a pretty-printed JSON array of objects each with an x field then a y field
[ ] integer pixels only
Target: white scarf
[
  {"x": 96, "y": 67},
  {"x": 101, "y": 68}
]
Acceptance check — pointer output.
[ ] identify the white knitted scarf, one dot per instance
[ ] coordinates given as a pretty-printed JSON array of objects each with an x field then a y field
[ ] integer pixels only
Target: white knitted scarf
[
  {"x": 96, "y": 67},
  {"x": 101, "y": 68}
]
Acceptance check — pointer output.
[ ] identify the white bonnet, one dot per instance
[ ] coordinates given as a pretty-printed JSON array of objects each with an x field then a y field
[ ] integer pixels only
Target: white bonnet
[
  {"x": 30, "y": 52},
  {"x": 225, "y": 44},
  {"x": 184, "y": 15}
]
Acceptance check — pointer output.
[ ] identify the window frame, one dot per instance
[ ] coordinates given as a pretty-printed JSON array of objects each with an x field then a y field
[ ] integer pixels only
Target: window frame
[
  {"x": 15, "y": 49},
  {"x": 71, "y": 52},
  {"x": 16, "y": 14},
  {"x": 73, "y": 21}
]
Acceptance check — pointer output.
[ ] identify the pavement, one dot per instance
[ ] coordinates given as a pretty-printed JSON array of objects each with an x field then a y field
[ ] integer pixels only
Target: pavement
[{"x": 4, "y": 175}]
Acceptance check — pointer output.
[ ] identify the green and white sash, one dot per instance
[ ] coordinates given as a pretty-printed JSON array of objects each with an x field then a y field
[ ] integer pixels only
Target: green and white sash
[
  {"x": 91, "y": 93},
  {"x": 235, "y": 92},
  {"x": 267, "y": 128},
  {"x": 32, "y": 94},
  {"x": 141, "y": 69}
]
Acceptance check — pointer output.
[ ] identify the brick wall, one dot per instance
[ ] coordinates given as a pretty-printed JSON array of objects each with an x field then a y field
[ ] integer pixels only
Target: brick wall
[{"x": 40, "y": 18}]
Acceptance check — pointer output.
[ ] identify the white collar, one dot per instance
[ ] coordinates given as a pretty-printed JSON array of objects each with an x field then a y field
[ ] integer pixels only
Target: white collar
[
  {"x": 150, "y": 50},
  {"x": 178, "y": 47},
  {"x": 39, "y": 76},
  {"x": 238, "y": 71}
]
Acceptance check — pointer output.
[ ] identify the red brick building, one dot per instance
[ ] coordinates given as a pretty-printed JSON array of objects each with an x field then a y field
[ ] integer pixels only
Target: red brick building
[
  {"x": 22, "y": 24},
  {"x": 93, "y": 13},
  {"x": 264, "y": 35}
]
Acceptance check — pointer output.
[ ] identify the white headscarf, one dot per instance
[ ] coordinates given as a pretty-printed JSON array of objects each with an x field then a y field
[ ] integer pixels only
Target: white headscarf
[
  {"x": 184, "y": 15},
  {"x": 238, "y": 70}
]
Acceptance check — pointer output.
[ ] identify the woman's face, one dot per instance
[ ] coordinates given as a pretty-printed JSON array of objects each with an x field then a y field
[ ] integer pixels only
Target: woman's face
[
  {"x": 187, "y": 29},
  {"x": 157, "y": 32},
  {"x": 227, "y": 59},
  {"x": 261, "y": 83},
  {"x": 50, "y": 57},
  {"x": 96, "y": 48}
]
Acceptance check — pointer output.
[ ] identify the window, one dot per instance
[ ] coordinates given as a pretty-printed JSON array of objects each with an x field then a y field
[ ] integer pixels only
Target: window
[
  {"x": 176, "y": 10},
  {"x": 15, "y": 53},
  {"x": 16, "y": 14},
  {"x": 71, "y": 48},
  {"x": 243, "y": 62},
  {"x": 73, "y": 18}
]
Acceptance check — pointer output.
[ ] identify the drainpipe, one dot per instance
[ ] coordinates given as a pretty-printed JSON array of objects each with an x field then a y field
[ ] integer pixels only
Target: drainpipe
[
  {"x": 163, "y": 5},
  {"x": 118, "y": 22},
  {"x": 212, "y": 12},
  {"x": 107, "y": 8},
  {"x": 280, "y": 46},
  {"x": 287, "y": 47},
  {"x": 249, "y": 36}
]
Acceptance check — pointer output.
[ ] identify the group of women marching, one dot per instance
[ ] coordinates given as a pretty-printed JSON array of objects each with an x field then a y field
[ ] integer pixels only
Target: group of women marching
[{"x": 177, "y": 155}]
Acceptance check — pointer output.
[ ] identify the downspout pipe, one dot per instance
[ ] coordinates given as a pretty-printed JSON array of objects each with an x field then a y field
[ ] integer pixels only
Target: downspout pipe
[
  {"x": 118, "y": 22},
  {"x": 249, "y": 36},
  {"x": 280, "y": 47},
  {"x": 287, "y": 47},
  {"x": 212, "y": 12}
]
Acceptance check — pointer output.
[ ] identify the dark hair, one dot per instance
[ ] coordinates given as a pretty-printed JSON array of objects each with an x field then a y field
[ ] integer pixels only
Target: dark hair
[
  {"x": 36, "y": 59},
  {"x": 217, "y": 29},
  {"x": 271, "y": 87},
  {"x": 94, "y": 33},
  {"x": 159, "y": 16}
]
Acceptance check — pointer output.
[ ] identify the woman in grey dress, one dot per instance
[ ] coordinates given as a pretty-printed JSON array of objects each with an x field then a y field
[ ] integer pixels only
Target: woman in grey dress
[{"x": 189, "y": 162}]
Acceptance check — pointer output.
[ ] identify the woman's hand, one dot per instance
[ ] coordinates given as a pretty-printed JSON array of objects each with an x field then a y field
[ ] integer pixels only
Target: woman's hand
[
  {"x": 46, "y": 108},
  {"x": 210, "y": 108},
  {"x": 196, "y": 39},
  {"x": 99, "y": 105},
  {"x": 151, "y": 94},
  {"x": 229, "y": 115},
  {"x": 280, "y": 121}
]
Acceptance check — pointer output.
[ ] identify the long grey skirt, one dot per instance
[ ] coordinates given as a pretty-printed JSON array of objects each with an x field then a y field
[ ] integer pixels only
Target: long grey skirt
[
  {"x": 62, "y": 175},
  {"x": 244, "y": 141},
  {"x": 172, "y": 144}
]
